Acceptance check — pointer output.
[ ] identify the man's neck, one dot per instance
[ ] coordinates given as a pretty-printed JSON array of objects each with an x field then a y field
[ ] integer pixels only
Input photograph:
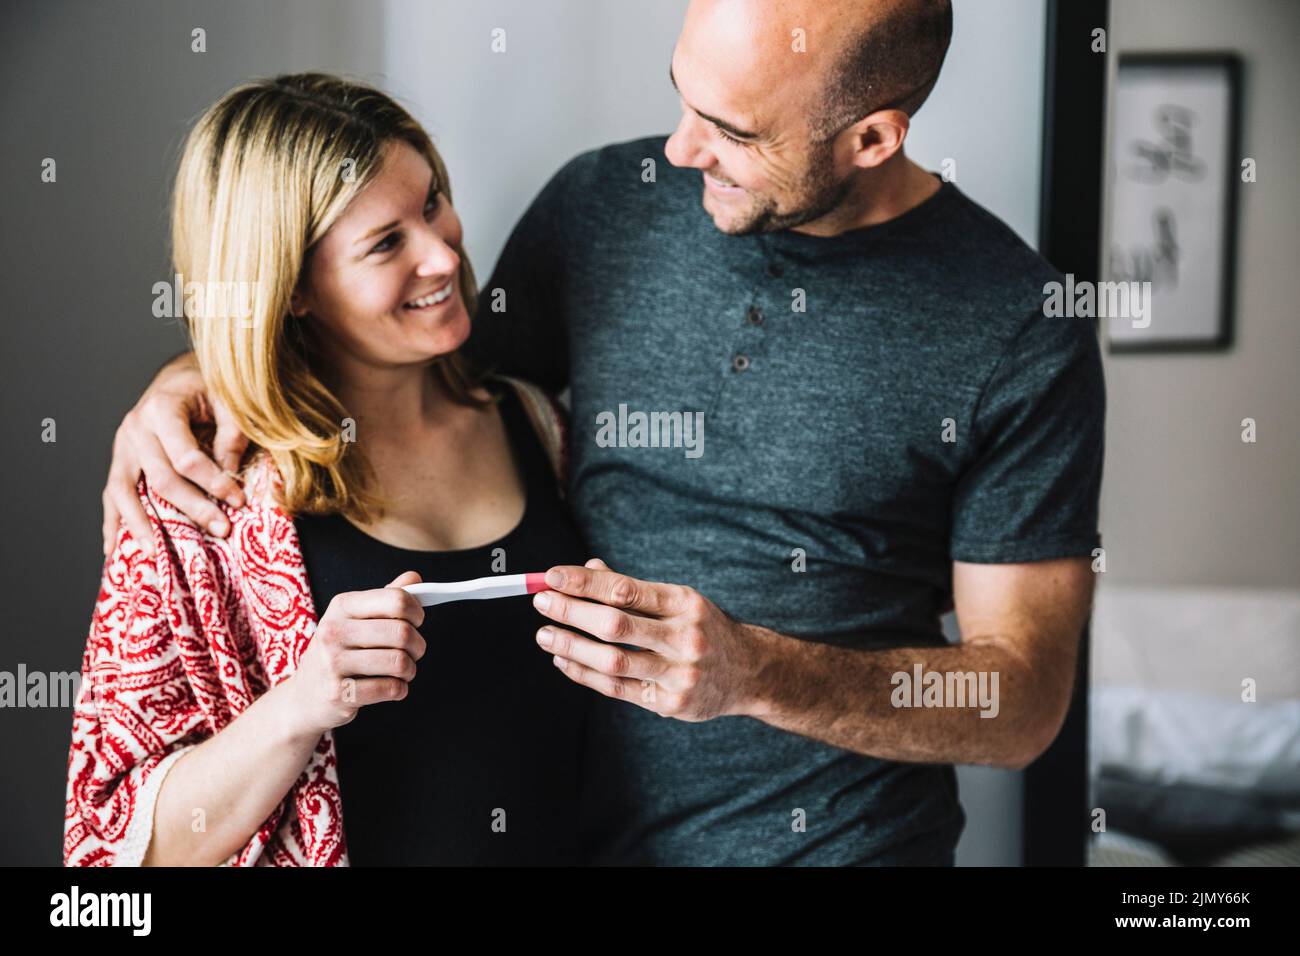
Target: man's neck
[{"x": 877, "y": 196}]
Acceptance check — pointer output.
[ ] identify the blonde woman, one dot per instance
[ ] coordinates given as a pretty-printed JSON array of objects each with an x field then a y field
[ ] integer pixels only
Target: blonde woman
[{"x": 273, "y": 697}]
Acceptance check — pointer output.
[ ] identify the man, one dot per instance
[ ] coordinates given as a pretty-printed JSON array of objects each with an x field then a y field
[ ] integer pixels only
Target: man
[{"x": 886, "y": 425}]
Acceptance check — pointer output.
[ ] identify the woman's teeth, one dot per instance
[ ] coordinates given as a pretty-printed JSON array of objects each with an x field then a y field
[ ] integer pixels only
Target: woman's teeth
[{"x": 442, "y": 295}]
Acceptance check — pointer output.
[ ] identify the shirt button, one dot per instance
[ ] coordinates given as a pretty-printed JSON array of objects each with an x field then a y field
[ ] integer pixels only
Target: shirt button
[
  {"x": 740, "y": 363},
  {"x": 754, "y": 315},
  {"x": 775, "y": 270}
]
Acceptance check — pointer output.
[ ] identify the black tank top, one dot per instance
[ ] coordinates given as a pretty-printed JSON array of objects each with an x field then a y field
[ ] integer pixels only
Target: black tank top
[{"x": 480, "y": 763}]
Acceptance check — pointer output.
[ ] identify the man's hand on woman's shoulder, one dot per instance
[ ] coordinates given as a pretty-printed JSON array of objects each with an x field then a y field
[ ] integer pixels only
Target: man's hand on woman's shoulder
[{"x": 157, "y": 438}]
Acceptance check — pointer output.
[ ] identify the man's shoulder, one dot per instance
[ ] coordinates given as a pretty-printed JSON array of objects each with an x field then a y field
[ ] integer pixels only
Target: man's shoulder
[
  {"x": 613, "y": 192},
  {"x": 988, "y": 245},
  {"x": 631, "y": 153},
  {"x": 618, "y": 169},
  {"x": 989, "y": 280}
]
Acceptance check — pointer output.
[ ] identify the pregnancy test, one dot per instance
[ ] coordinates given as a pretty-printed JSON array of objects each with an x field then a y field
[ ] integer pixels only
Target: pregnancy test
[{"x": 480, "y": 589}]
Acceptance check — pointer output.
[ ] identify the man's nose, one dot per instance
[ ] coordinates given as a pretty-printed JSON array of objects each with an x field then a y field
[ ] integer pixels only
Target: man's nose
[{"x": 687, "y": 147}]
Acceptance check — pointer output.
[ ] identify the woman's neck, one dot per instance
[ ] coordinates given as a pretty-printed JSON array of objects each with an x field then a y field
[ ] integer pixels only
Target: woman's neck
[{"x": 391, "y": 403}]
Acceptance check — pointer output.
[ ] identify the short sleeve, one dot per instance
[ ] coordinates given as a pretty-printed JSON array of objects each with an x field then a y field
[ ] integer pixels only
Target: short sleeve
[
  {"x": 1031, "y": 488},
  {"x": 519, "y": 328}
]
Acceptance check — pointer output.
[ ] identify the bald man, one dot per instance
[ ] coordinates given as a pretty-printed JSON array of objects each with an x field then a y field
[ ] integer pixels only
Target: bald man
[{"x": 816, "y": 404}]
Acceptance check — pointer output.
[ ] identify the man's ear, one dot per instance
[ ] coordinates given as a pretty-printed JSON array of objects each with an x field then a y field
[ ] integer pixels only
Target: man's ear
[{"x": 877, "y": 137}]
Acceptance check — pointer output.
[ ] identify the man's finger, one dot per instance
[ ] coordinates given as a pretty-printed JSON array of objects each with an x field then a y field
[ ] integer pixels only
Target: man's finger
[
  {"x": 643, "y": 693},
  {"x": 111, "y": 523},
  {"x": 607, "y": 623},
  {"x": 615, "y": 590},
  {"x": 608, "y": 659},
  {"x": 230, "y": 443},
  {"x": 187, "y": 497},
  {"x": 131, "y": 513},
  {"x": 192, "y": 463}
]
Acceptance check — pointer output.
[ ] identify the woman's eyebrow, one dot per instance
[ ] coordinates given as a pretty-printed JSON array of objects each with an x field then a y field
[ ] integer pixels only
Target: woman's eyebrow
[
  {"x": 432, "y": 188},
  {"x": 721, "y": 124},
  {"x": 377, "y": 230}
]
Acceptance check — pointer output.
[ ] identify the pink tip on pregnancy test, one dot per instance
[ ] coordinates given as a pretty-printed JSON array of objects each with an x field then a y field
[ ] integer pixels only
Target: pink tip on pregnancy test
[{"x": 480, "y": 589}]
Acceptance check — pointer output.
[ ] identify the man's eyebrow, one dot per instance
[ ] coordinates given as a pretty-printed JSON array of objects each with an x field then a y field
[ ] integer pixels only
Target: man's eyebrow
[{"x": 720, "y": 123}]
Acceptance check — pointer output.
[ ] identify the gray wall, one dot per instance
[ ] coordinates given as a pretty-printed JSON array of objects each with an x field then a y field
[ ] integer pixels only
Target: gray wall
[{"x": 108, "y": 91}]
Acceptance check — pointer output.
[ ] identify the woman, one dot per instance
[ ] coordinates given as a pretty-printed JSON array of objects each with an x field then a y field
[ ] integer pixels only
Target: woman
[{"x": 222, "y": 718}]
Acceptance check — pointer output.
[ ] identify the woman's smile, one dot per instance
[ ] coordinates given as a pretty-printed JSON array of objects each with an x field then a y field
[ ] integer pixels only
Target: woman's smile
[{"x": 431, "y": 300}]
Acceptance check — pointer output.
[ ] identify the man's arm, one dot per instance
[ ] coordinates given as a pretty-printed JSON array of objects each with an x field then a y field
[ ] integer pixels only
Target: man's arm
[
  {"x": 1019, "y": 621},
  {"x": 157, "y": 438},
  {"x": 692, "y": 662}
]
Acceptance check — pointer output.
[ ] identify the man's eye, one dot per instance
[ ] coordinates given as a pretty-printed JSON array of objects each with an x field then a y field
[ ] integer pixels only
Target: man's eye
[
  {"x": 728, "y": 137},
  {"x": 386, "y": 243}
]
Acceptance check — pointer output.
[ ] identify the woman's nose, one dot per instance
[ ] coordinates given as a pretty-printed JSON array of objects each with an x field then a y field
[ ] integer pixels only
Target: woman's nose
[{"x": 435, "y": 255}]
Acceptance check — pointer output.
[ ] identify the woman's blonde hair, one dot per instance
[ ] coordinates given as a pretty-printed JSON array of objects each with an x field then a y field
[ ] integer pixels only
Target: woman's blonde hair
[{"x": 263, "y": 175}]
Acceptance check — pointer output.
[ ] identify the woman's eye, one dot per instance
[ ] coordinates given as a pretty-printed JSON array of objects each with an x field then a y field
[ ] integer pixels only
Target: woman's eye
[
  {"x": 432, "y": 205},
  {"x": 386, "y": 243}
]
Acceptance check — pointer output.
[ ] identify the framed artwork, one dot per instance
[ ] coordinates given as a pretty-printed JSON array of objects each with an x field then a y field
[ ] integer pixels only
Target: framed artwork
[{"x": 1174, "y": 166}]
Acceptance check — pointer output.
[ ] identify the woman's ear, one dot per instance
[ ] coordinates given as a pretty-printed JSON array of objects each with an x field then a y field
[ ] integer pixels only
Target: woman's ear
[{"x": 298, "y": 304}]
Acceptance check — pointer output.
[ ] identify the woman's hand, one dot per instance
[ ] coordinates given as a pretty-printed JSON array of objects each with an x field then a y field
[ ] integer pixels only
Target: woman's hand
[
  {"x": 364, "y": 651},
  {"x": 156, "y": 437}
]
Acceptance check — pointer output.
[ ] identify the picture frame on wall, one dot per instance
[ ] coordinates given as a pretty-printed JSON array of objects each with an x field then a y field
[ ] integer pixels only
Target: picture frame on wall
[{"x": 1174, "y": 164}]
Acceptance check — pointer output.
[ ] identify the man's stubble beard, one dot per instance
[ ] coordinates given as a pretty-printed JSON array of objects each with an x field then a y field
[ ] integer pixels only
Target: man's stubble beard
[{"x": 819, "y": 195}]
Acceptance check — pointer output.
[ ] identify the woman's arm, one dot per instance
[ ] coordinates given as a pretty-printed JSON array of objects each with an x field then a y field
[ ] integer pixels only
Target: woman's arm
[{"x": 217, "y": 795}]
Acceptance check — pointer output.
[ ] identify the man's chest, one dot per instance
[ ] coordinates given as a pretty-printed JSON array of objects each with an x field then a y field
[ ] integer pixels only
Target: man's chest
[{"x": 842, "y": 406}]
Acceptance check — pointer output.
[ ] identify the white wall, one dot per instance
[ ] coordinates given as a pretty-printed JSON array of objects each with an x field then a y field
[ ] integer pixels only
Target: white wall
[{"x": 575, "y": 74}]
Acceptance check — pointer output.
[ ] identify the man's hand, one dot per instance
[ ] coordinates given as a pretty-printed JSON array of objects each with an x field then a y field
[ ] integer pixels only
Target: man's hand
[
  {"x": 689, "y": 661},
  {"x": 156, "y": 438}
]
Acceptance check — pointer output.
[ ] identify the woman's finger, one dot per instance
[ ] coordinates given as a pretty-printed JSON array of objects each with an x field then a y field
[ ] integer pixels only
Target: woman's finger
[
  {"x": 390, "y": 602},
  {"x": 378, "y": 662},
  {"x": 403, "y": 579},
  {"x": 360, "y": 691}
]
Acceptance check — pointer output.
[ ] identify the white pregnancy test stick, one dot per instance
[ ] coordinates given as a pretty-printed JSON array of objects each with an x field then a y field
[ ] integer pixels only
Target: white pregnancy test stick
[{"x": 480, "y": 589}]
